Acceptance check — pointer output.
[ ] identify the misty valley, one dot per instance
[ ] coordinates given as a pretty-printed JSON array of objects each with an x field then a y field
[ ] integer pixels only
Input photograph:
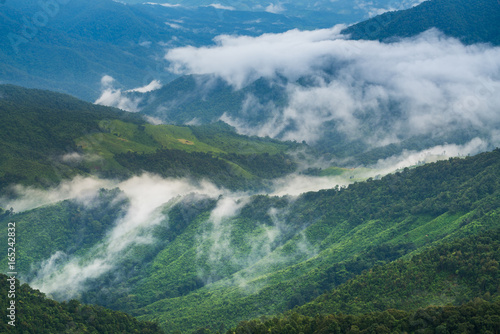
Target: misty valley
[{"x": 250, "y": 167}]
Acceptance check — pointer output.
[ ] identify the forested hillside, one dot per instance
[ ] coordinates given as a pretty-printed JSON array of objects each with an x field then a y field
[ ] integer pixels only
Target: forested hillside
[
  {"x": 48, "y": 137},
  {"x": 37, "y": 314},
  {"x": 452, "y": 273},
  {"x": 478, "y": 316},
  {"x": 297, "y": 175},
  {"x": 331, "y": 236},
  {"x": 471, "y": 22},
  {"x": 395, "y": 297},
  {"x": 205, "y": 260}
]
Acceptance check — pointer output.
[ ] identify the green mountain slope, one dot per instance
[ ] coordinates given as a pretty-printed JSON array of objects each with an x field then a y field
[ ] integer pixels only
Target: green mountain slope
[
  {"x": 396, "y": 296},
  {"x": 475, "y": 21},
  {"x": 210, "y": 268},
  {"x": 451, "y": 273},
  {"x": 333, "y": 231},
  {"x": 34, "y": 313},
  {"x": 47, "y": 137},
  {"x": 474, "y": 317}
]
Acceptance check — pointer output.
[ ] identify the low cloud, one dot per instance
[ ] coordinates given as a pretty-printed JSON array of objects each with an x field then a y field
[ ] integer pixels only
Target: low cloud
[
  {"x": 114, "y": 97},
  {"x": 219, "y": 6},
  {"x": 214, "y": 245},
  {"x": 162, "y": 4},
  {"x": 295, "y": 185},
  {"x": 275, "y": 8},
  {"x": 410, "y": 158},
  {"x": 242, "y": 60},
  {"x": 380, "y": 93},
  {"x": 153, "y": 85},
  {"x": 82, "y": 189},
  {"x": 65, "y": 277}
]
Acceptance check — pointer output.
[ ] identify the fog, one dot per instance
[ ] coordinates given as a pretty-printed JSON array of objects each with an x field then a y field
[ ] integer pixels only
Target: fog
[
  {"x": 149, "y": 196},
  {"x": 65, "y": 277},
  {"x": 381, "y": 93},
  {"x": 116, "y": 97}
]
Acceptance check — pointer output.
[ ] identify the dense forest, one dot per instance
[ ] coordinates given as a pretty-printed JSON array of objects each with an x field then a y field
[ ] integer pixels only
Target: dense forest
[
  {"x": 477, "y": 316},
  {"x": 37, "y": 314},
  {"x": 463, "y": 274},
  {"x": 49, "y": 137},
  {"x": 202, "y": 272},
  {"x": 124, "y": 225}
]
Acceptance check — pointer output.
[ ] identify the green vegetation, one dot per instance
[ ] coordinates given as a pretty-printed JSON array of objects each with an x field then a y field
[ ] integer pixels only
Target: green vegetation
[
  {"x": 68, "y": 226},
  {"x": 47, "y": 137},
  {"x": 469, "y": 21},
  {"x": 37, "y": 314},
  {"x": 395, "y": 297},
  {"x": 477, "y": 316},
  {"x": 328, "y": 235},
  {"x": 451, "y": 273},
  {"x": 38, "y": 127},
  {"x": 215, "y": 261},
  {"x": 277, "y": 253}
]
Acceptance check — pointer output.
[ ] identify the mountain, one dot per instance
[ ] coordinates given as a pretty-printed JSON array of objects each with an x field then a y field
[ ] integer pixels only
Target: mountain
[
  {"x": 38, "y": 314},
  {"x": 451, "y": 273},
  {"x": 204, "y": 99},
  {"x": 473, "y": 317},
  {"x": 201, "y": 258},
  {"x": 469, "y": 21},
  {"x": 299, "y": 182},
  {"x": 74, "y": 44},
  {"x": 358, "y": 101},
  {"x": 79, "y": 42},
  {"x": 56, "y": 137},
  {"x": 341, "y": 11}
]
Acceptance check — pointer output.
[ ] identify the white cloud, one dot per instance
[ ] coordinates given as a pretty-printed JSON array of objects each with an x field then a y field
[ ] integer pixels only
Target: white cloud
[
  {"x": 241, "y": 60},
  {"x": 173, "y": 25},
  {"x": 162, "y": 4},
  {"x": 295, "y": 185},
  {"x": 219, "y": 6},
  {"x": 147, "y": 194},
  {"x": 275, "y": 8},
  {"x": 80, "y": 188},
  {"x": 114, "y": 97},
  {"x": 154, "y": 120},
  {"x": 380, "y": 93},
  {"x": 440, "y": 152},
  {"x": 153, "y": 85}
]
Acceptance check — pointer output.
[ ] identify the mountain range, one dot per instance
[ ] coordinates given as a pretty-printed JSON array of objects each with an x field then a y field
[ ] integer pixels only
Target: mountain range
[
  {"x": 471, "y": 22},
  {"x": 327, "y": 90},
  {"x": 69, "y": 46},
  {"x": 185, "y": 251},
  {"x": 312, "y": 180},
  {"x": 75, "y": 44}
]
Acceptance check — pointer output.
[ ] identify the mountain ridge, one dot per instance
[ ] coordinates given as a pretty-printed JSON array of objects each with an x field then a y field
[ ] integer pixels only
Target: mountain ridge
[{"x": 469, "y": 21}]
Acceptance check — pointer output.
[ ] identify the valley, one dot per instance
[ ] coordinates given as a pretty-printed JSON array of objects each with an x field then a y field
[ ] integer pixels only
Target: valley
[{"x": 250, "y": 167}]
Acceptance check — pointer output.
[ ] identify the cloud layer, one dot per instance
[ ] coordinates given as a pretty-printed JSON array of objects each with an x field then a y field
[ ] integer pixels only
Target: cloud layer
[
  {"x": 66, "y": 277},
  {"x": 379, "y": 92}
]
